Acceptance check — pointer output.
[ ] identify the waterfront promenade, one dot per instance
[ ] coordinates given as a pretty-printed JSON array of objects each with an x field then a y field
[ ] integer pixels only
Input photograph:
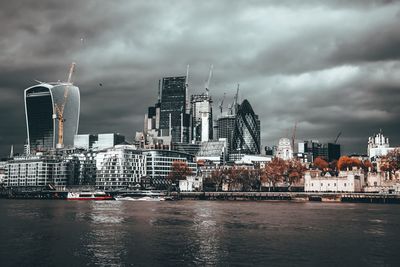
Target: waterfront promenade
[{"x": 383, "y": 198}]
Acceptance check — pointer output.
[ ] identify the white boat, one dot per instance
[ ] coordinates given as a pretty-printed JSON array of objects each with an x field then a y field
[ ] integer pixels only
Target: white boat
[
  {"x": 89, "y": 196},
  {"x": 142, "y": 196}
]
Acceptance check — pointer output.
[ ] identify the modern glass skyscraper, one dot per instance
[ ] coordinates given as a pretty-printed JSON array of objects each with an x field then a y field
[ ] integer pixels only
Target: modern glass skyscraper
[
  {"x": 40, "y": 112},
  {"x": 246, "y": 135},
  {"x": 173, "y": 104}
]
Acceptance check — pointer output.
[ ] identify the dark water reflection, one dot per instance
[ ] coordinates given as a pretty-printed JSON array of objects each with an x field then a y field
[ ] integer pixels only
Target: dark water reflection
[{"x": 62, "y": 233}]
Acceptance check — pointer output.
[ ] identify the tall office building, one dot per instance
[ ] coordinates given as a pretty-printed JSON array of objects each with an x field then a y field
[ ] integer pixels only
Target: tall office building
[
  {"x": 174, "y": 119},
  {"x": 246, "y": 133},
  {"x": 41, "y": 104},
  {"x": 202, "y": 122},
  {"x": 225, "y": 127}
]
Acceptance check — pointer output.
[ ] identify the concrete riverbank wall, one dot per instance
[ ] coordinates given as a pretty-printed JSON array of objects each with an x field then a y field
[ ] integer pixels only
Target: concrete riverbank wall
[
  {"x": 235, "y": 196},
  {"x": 291, "y": 196}
]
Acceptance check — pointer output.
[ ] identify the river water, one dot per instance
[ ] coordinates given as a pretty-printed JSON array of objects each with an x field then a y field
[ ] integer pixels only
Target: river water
[{"x": 197, "y": 233}]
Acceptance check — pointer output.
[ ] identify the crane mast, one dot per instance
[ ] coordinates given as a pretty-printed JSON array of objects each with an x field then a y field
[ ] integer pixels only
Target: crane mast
[
  {"x": 207, "y": 86},
  {"x": 60, "y": 109},
  {"x": 222, "y": 103},
  {"x": 294, "y": 134}
]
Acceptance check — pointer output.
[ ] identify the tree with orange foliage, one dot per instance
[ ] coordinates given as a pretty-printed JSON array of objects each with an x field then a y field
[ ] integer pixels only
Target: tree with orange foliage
[
  {"x": 179, "y": 171},
  {"x": 274, "y": 172},
  {"x": 295, "y": 171},
  {"x": 320, "y": 164},
  {"x": 367, "y": 165},
  {"x": 217, "y": 177},
  {"x": 391, "y": 162},
  {"x": 346, "y": 162}
]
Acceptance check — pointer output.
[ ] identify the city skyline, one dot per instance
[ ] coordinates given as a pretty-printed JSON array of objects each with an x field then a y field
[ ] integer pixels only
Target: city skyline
[{"x": 313, "y": 63}]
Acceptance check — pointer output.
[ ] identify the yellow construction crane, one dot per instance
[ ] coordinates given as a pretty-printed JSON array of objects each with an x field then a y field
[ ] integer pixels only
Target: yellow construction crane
[{"x": 60, "y": 109}]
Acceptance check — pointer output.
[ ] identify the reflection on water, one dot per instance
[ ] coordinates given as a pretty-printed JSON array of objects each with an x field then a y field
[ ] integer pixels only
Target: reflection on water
[
  {"x": 114, "y": 233},
  {"x": 105, "y": 241},
  {"x": 207, "y": 235}
]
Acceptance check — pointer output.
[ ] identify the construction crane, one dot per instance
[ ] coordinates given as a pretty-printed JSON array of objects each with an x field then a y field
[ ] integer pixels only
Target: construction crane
[
  {"x": 60, "y": 109},
  {"x": 294, "y": 134},
  {"x": 187, "y": 102},
  {"x": 337, "y": 137},
  {"x": 207, "y": 85},
  {"x": 236, "y": 98},
  {"x": 222, "y": 103}
]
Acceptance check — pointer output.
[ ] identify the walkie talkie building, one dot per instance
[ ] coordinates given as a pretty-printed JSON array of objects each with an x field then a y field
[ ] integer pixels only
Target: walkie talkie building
[
  {"x": 246, "y": 134},
  {"x": 40, "y": 112}
]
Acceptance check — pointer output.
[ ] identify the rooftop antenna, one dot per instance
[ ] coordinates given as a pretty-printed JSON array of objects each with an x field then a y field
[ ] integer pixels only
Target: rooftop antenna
[
  {"x": 12, "y": 152},
  {"x": 207, "y": 85}
]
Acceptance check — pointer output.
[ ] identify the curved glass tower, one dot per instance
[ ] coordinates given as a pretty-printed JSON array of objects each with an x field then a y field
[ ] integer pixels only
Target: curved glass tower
[
  {"x": 246, "y": 133},
  {"x": 42, "y": 126}
]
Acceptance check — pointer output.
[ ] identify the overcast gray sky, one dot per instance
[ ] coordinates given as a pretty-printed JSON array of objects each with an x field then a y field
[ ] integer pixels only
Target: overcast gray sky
[{"x": 329, "y": 65}]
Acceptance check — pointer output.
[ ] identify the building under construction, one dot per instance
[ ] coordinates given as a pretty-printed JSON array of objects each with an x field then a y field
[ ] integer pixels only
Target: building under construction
[{"x": 52, "y": 114}]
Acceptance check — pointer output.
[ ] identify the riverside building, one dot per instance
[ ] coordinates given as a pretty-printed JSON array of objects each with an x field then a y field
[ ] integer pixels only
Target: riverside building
[
  {"x": 39, "y": 170},
  {"x": 345, "y": 181},
  {"x": 41, "y": 102},
  {"x": 159, "y": 163},
  {"x": 120, "y": 167}
]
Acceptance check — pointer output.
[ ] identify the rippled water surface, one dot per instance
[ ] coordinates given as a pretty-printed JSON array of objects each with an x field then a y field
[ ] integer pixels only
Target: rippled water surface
[{"x": 113, "y": 233}]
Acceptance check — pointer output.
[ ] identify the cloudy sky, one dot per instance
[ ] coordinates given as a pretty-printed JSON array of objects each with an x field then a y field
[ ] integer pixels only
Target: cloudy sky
[{"x": 329, "y": 65}]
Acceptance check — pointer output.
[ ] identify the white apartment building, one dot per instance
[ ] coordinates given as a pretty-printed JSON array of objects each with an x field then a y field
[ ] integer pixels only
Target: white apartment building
[
  {"x": 120, "y": 167},
  {"x": 159, "y": 163}
]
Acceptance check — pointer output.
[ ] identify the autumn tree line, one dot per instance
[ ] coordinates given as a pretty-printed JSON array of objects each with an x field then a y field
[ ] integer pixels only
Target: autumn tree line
[{"x": 279, "y": 172}]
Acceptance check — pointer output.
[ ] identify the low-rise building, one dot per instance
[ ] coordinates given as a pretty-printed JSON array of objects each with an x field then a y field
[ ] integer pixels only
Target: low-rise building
[
  {"x": 159, "y": 163},
  {"x": 344, "y": 181},
  {"x": 2, "y": 171},
  {"x": 39, "y": 170},
  {"x": 380, "y": 182},
  {"x": 191, "y": 183},
  {"x": 215, "y": 151}
]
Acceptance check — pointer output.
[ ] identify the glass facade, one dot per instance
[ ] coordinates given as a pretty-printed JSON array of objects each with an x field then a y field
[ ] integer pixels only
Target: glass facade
[
  {"x": 39, "y": 111},
  {"x": 159, "y": 162},
  {"x": 226, "y": 125},
  {"x": 173, "y": 101},
  {"x": 40, "y": 101},
  {"x": 246, "y": 134}
]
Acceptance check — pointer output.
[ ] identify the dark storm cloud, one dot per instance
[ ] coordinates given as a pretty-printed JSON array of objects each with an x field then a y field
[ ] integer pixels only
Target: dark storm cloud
[{"x": 332, "y": 66}]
